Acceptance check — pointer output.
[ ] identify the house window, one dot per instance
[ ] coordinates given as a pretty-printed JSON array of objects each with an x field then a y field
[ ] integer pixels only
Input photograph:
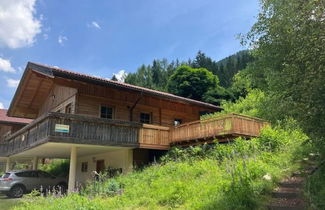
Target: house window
[
  {"x": 177, "y": 122},
  {"x": 68, "y": 108},
  {"x": 106, "y": 112},
  {"x": 84, "y": 166},
  {"x": 145, "y": 118},
  {"x": 204, "y": 113}
]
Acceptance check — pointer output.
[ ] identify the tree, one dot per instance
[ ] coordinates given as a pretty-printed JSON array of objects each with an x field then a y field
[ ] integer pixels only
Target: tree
[
  {"x": 191, "y": 82},
  {"x": 289, "y": 48},
  {"x": 241, "y": 85},
  {"x": 226, "y": 68},
  {"x": 114, "y": 78}
]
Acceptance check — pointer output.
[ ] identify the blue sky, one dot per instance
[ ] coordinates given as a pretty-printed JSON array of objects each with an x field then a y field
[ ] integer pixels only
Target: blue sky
[{"x": 103, "y": 37}]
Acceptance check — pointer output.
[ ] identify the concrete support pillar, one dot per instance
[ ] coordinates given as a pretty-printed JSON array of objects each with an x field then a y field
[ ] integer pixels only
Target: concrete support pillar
[
  {"x": 8, "y": 164},
  {"x": 73, "y": 169},
  {"x": 128, "y": 162},
  {"x": 35, "y": 163}
]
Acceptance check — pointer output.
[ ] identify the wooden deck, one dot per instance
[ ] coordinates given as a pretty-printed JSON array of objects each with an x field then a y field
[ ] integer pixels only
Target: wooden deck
[
  {"x": 97, "y": 131},
  {"x": 224, "y": 127}
]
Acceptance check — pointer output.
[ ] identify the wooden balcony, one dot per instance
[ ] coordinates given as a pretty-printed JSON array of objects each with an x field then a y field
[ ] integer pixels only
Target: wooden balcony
[
  {"x": 85, "y": 130},
  {"x": 223, "y": 128},
  {"x": 77, "y": 129}
]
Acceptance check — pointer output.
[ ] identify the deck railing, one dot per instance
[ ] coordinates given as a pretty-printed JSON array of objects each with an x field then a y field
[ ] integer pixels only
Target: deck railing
[
  {"x": 224, "y": 125},
  {"x": 79, "y": 129},
  {"x": 154, "y": 137},
  {"x": 84, "y": 130}
]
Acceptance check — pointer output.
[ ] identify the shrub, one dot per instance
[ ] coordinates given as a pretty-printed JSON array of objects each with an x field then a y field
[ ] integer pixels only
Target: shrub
[{"x": 57, "y": 167}]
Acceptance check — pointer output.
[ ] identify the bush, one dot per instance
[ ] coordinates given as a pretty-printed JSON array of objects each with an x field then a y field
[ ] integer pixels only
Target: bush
[
  {"x": 56, "y": 167},
  {"x": 251, "y": 105},
  {"x": 103, "y": 187}
]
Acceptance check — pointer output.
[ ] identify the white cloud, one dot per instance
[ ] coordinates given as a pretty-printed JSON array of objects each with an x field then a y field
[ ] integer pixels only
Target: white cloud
[
  {"x": 121, "y": 75},
  {"x": 20, "y": 69},
  {"x": 94, "y": 24},
  {"x": 12, "y": 83},
  {"x": 5, "y": 65},
  {"x": 62, "y": 39},
  {"x": 45, "y": 36},
  {"x": 18, "y": 23},
  {"x": 2, "y": 106}
]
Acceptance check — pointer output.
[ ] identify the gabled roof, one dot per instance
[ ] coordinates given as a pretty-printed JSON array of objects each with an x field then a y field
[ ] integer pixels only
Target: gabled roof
[
  {"x": 53, "y": 72},
  {"x": 12, "y": 120}
]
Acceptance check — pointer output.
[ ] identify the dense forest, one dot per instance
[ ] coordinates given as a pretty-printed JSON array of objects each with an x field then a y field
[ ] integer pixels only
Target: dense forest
[{"x": 160, "y": 75}]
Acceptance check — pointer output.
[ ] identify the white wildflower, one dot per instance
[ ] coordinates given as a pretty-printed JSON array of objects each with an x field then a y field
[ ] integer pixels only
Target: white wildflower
[{"x": 267, "y": 177}]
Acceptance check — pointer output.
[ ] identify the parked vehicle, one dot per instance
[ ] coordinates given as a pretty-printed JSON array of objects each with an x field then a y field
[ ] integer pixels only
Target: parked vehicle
[{"x": 16, "y": 183}]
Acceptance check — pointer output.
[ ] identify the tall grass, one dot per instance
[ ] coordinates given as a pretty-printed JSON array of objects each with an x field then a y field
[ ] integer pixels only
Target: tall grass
[
  {"x": 315, "y": 186},
  {"x": 238, "y": 175}
]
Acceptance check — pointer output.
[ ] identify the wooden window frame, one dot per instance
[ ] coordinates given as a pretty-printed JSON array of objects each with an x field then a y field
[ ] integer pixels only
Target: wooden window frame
[
  {"x": 68, "y": 106},
  {"x": 150, "y": 117},
  {"x": 84, "y": 166},
  {"x": 108, "y": 106}
]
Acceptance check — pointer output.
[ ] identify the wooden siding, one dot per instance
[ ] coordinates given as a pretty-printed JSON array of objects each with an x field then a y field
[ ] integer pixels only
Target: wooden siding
[
  {"x": 162, "y": 112},
  {"x": 87, "y": 99},
  {"x": 59, "y": 97},
  {"x": 231, "y": 125}
]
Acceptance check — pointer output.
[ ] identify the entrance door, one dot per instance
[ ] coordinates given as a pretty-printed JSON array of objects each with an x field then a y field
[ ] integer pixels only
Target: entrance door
[{"x": 100, "y": 166}]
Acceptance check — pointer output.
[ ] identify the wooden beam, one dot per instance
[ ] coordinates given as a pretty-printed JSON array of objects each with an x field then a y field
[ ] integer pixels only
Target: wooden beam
[{"x": 160, "y": 112}]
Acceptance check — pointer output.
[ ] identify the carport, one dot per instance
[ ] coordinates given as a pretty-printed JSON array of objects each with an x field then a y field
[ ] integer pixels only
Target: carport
[{"x": 120, "y": 157}]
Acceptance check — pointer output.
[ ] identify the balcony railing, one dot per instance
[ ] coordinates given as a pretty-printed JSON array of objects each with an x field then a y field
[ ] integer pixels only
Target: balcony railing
[
  {"x": 77, "y": 129},
  {"x": 214, "y": 128}
]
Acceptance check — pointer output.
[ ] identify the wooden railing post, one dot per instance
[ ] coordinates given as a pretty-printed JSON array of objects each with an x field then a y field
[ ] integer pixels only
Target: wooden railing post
[{"x": 140, "y": 136}]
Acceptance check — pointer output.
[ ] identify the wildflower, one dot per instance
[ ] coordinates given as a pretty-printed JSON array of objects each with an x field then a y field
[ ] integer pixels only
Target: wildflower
[{"x": 267, "y": 177}]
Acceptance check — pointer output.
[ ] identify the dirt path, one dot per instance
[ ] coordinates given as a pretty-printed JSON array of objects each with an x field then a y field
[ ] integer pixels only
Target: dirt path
[{"x": 289, "y": 194}]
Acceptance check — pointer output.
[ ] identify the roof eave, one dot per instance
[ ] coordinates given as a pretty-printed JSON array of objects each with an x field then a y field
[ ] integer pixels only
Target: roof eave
[
  {"x": 68, "y": 75},
  {"x": 13, "y": 101},
  {"x": 56, "y": 72}
]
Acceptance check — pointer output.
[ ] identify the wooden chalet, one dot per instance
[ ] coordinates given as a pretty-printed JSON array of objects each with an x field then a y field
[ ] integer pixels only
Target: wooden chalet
[
  {"x": 8, "y": 126},
  {"x": 100, "y": 123}
]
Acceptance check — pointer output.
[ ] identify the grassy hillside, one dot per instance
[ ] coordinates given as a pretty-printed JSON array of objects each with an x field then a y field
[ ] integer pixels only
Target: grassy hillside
[{"x": 238, "y": 175}]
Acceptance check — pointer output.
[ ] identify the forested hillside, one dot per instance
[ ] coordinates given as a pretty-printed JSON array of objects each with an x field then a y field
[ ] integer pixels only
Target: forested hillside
[
  {"x": 226, "y": 68},
  {"x": 158, "y": 75}
]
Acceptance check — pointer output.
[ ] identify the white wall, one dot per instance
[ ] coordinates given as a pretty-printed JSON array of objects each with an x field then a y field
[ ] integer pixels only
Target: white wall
[{"x": 121, "y": 158}]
